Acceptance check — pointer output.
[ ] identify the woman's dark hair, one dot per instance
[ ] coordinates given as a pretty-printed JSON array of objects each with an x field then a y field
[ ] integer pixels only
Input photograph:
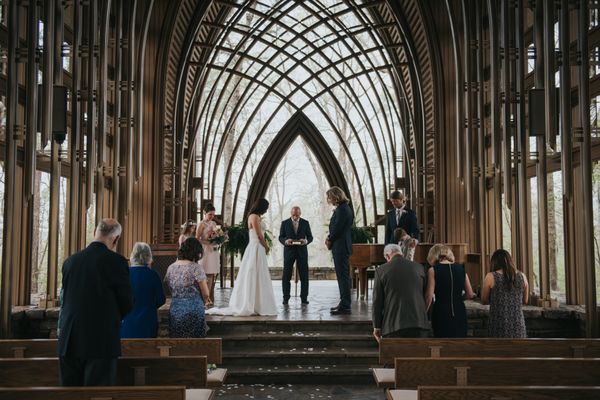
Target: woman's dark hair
[
  {"x": 191, "y": 250},
  {"x": 259, "y": 207},
  {"x": 501, "y": 259},
  {"x": 209, "y": 207}
]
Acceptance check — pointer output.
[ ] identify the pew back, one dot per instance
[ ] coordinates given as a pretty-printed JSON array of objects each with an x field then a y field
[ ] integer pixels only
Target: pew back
[
  {"x": 497, "y": 393},
  {"x": 413, "y": 372},
  {"x": 94, "y": 393},
  {"x": 155, "y": 347},
  {"x": 190, "y": 371},
  {"x": 487, "y": 347}
]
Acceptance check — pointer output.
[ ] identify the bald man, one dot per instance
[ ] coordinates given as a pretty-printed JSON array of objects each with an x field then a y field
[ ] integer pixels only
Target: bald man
[{"x": 295, "y": 235}]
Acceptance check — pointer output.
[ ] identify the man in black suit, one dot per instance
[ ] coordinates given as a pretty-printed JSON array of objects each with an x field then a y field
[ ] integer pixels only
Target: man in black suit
[
  {"x": 339, "y": 241},
  {"x": 96, "y": 297},
  {"x": 400, "y": 217},
  {"x": 295, "y": 235},
  {"x": 399, "y": 308}
]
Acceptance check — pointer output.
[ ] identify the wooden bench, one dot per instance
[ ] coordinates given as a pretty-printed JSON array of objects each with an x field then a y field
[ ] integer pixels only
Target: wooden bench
[
  {"x": 106, "y": 393},
  {"x": 496, "y": 393},
  {"x": 487, "y": 347},
  {"x": 391, "y": 348},
  {"x": 411, "y": 373},
  {"x": 189, "y": 371},
  {"x": 164, "y": 347},
  {"x": 158, "y": 347}
]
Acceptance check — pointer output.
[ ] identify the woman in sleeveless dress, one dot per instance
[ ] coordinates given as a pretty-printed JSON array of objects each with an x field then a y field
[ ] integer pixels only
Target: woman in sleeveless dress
[
  {"x": 252, "y": 292},
  {"x": 211, "y": 261},
  {"x": 506, "y": 289},
  {"x": 446, "y": 283}
]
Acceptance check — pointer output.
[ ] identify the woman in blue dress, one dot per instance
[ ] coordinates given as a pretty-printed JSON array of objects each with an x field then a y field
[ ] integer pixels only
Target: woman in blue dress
[
  {"x": 187, "y": 281},
  {"x": 142, "y": 321}
]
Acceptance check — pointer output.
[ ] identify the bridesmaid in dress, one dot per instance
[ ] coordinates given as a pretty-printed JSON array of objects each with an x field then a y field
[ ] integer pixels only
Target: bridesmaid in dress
[
  {"x": 188, "y": 230},
  {"x": 211, "y": 261}
]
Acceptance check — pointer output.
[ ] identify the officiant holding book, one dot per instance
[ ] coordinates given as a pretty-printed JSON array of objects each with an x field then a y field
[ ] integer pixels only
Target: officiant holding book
[{"x": 295, "y": 235}]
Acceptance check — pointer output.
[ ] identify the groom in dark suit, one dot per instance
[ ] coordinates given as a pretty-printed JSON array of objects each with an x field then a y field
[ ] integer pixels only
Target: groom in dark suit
[
  {"x": 295, "y": 235},
  {"x": 400, "y": 217}
]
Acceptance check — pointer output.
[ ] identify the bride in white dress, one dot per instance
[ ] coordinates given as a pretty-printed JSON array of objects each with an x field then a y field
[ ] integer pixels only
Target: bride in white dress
[{"x": 252, "y": 291}]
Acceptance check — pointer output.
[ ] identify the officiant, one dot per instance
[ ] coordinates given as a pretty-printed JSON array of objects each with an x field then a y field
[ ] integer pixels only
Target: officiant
[{"x": 295, "y": 236}]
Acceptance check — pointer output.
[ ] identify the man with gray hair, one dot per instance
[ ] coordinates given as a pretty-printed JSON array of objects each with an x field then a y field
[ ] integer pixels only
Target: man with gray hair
[
  {"x": 399, "y": 297},
  {"x": 96, "y": 297}
]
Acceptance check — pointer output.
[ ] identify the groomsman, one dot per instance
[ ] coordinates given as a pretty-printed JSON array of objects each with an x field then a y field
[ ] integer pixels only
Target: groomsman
[
  {"x": 295, "y": 235},
  {"x": 400, "y": 217}
]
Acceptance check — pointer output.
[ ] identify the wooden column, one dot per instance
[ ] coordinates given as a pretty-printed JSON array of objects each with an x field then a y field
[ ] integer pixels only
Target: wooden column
[
  {"x": 586, "y": 210},
  {"x": 468, "y": 126}
]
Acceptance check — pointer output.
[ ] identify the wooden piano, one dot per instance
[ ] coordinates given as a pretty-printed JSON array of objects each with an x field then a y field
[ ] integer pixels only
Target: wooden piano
[{"x": 363, "y": 256}]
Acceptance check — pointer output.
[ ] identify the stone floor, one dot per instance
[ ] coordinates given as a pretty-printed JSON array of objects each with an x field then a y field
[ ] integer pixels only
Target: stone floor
[
  {"x": 298, "y": 392},
  {"x": 322, "y": 296}
]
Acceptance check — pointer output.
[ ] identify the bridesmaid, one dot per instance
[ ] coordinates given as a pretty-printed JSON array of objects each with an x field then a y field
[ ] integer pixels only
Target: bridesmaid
[{"x": 211, "y": 261}]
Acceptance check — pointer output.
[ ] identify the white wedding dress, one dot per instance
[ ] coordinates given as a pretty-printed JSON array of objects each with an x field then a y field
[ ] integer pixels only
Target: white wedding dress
[{"x": 252, "y": 291}]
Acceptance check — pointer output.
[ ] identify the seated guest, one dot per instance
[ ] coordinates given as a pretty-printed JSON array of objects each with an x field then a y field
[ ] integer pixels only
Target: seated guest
[
  {"x": 505, "y": 289},
  {"x": 407, "y": 243},
  {"x": 399, "y": 297},
  {"x": 187, "y": 281},
  {"x": 188, "y": 230},
  {"x": 447, "y": 281},
  {"x": 142, "y": 321}
]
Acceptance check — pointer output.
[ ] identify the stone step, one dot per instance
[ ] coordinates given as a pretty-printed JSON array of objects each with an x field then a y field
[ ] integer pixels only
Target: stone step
[
  {"x": 275, "y": 340},
  {"x": 229, "y": 325},
  {"x": 308, "y": 356},
  {"x": 301, "y": 374}
]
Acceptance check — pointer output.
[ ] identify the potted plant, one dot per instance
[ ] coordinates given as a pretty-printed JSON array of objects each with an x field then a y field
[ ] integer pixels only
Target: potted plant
[{"x": 362, "y": 234}]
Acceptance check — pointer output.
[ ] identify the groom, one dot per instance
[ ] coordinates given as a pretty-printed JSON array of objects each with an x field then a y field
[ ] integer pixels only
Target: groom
[{"x": 295, "y": 235}]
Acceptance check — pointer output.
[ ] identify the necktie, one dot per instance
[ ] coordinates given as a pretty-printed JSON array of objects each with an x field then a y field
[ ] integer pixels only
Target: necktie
[
  {"x": 398, "y": 214},
  {"x": 295, "y": 223}
]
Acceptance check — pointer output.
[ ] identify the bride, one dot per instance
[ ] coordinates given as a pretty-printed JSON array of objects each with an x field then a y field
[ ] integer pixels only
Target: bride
[{"x": 253, "y": 291}]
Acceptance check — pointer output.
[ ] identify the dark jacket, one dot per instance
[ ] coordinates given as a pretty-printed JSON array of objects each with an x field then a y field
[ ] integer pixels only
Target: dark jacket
[
  {"x": 96, "y": 297},
  {"x": 399, "y": 296},
  {"x": 340, "y": 225},
  {"x": 287, "y": 232},
  {"x": 408, "y": 222}
]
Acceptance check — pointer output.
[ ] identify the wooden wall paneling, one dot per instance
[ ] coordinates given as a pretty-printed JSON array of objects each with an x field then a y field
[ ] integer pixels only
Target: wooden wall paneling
[
  {"x": 117, "y": 129},
  {"x": 92, "y": 69},
  {"x": 586, "y": 209},
  {"x": 468, "y": 101}
]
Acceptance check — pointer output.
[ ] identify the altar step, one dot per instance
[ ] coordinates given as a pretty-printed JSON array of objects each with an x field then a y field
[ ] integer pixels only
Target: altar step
[{"x": 297, "y": 352}]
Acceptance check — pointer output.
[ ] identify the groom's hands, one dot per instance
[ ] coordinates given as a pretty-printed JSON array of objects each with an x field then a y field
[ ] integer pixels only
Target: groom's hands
[{"x": 328, "y": 243}]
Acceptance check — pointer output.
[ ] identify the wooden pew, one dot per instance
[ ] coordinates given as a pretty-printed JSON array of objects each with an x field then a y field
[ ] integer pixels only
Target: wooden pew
[
  {"x": 496, "y": 392},
  {"x": 190, "y": 371},
  {"x": 413, "y": 372},
  {"x": 164, "y": 347},
  {"x": 391, "y": 348},
  {"x": 159, "y": 347},
  {"x": 105, "y": 393},
  {"x": 487, "y": 347}
]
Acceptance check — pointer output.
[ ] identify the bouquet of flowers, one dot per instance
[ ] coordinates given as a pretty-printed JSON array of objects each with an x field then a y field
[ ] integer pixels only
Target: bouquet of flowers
[{"x": 217, "y": 237}]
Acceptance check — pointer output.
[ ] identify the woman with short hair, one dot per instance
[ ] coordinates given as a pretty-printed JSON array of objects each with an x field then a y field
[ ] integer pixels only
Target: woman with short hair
[
  {"x": 187, "y": 281},
  {"x": 446, "y": 281},
  {"x": 142, "y": 321}
]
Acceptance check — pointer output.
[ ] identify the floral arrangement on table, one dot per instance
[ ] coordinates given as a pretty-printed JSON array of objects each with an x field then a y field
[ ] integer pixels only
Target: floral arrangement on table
[{"x": 217, "y": 237}]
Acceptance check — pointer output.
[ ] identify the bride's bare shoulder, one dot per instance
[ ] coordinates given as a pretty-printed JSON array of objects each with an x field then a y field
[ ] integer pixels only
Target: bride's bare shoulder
[{"x": 252, "y": 220}]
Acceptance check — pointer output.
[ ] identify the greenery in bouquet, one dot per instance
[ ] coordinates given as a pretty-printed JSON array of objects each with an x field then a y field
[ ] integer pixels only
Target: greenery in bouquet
[
  {"x": 217, "y": 237},
  {"x": 268, "y": 235}
]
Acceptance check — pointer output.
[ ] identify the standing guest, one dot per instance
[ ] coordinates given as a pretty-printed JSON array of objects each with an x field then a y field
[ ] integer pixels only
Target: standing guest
[
  {"x": 187, "y": 230},
  {"x": 505, "y": 289},
  {"x": 211, "y": 259},
  {"x": 187, "y": 281},
  {"x": 339, "y": 241},
  {"x": 142, "y": 321},
  {"x": 407, "y": 243},
  {"x": 295, "y": 235},
  {"x": 96, "y": 297},
  {"x": 399, "y": 297},
  {"x": 400, "y": 216},
  {"x": 447, "y": 281}
]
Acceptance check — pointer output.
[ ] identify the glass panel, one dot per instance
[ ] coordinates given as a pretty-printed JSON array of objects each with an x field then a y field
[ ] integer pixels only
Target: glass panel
[
  {"x": 556, "y": 235},
  {"x": 596, "y": 205}
]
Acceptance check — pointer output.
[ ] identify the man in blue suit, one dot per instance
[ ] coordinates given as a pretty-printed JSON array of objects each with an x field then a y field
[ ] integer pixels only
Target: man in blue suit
[
  {"x": 400, "y": 217},
  {"x": 295, "y": 235}
]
